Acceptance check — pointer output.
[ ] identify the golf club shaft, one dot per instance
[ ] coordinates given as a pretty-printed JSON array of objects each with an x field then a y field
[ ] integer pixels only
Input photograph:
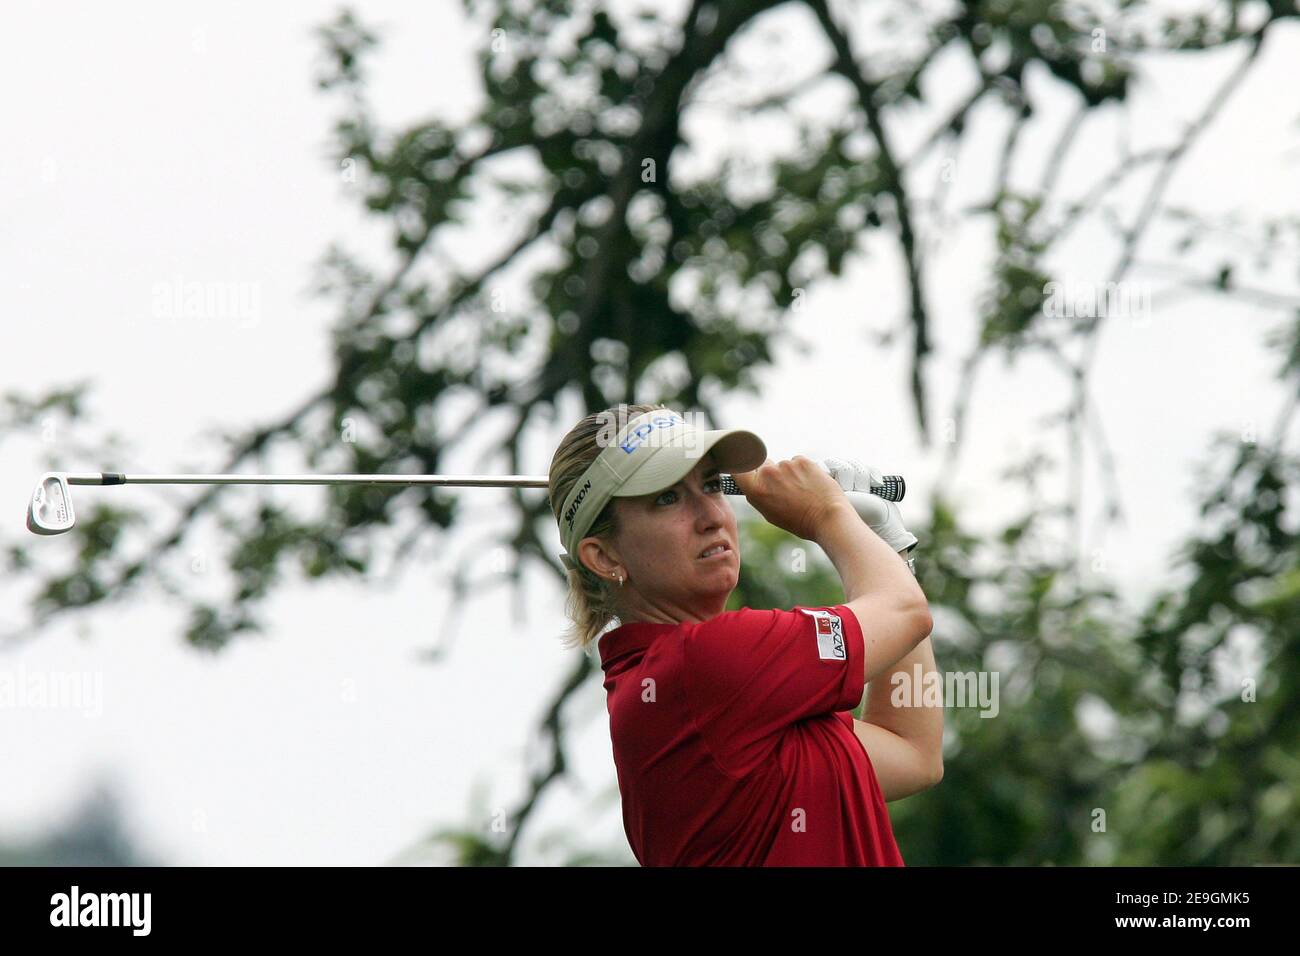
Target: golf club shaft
[
  {"x": 893, "y": 488},
  {"x": 469, "y": 481}
]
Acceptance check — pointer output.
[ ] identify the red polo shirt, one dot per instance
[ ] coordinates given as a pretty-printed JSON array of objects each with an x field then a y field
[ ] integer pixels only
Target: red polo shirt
[{"x": 734, "y": 744}]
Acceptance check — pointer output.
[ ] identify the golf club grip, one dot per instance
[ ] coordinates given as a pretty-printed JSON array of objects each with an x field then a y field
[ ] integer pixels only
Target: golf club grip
[{"x": 893, "y": 488}]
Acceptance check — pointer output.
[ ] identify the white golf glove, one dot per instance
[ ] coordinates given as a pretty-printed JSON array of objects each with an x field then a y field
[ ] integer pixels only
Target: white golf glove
[
  {"x": 881, "y": 516},
  {"x": 852, "y": 475}
]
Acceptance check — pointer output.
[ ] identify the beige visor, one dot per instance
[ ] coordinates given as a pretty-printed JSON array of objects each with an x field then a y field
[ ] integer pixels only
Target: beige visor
[{"x": 653, "y": 451}]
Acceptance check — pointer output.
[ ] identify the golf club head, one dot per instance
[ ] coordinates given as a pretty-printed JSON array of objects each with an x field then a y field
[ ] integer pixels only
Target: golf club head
[{"x": 50, "y": 510}]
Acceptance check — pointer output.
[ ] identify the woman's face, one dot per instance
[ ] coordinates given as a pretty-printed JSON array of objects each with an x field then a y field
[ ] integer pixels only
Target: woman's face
[{"x": 659, "y": 545}]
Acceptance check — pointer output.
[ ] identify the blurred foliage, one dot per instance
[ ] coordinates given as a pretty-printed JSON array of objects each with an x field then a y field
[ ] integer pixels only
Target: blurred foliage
[
  {"x": 622, "y": 277},
  {"x": 92, "y": 835}
]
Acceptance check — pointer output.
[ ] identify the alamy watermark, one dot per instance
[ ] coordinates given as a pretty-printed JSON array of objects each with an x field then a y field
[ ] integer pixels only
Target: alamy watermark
[
  {"x": 946, "y": 690},
  {"x": 21, "y": 689},
  {"x": 1097, "y": 300},
  {"x": 128, "y": 910},
  {"x": 178, "y": 298}
]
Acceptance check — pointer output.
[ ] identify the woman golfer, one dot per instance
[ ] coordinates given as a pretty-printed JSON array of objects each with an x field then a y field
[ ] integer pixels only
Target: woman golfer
[{"x": 732, "y": 732}]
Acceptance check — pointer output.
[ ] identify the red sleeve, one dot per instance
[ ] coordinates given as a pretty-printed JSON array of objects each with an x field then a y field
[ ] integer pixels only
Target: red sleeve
[{"x": 750, "y": 674}]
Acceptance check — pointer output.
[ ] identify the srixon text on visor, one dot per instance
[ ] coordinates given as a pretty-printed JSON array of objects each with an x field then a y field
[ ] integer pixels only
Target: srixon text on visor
[{"x": 573, "y": 508}]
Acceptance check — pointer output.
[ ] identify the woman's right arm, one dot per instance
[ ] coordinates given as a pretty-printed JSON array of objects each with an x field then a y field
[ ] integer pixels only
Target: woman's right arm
[{"x": 879, "y": 588}]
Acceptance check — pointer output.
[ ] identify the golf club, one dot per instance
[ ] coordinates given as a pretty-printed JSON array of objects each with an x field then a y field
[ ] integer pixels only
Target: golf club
[{"x": 50, "y": 510}]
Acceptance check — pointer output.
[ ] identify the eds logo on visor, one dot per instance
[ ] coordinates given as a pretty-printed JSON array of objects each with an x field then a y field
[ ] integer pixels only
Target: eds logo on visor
[
  {"x": 830, "y": 635},
  {"x": 639, "y": 436}
]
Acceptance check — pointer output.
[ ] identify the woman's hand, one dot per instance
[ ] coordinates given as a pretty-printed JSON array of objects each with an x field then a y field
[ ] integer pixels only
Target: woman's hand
[
  {"x": 797, "y": 495},
  {"x": 883, "y": 517}
]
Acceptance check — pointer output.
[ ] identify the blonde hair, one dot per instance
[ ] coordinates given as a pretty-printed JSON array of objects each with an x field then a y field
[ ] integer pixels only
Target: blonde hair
[{"x": 592, "y": 602}]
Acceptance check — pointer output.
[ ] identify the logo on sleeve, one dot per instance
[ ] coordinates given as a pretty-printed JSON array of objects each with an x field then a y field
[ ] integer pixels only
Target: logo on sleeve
[{"x": 830, "y": 635}]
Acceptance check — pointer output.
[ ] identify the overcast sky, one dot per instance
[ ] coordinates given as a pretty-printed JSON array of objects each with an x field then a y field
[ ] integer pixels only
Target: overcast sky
[{"x": 161, "y": 144}]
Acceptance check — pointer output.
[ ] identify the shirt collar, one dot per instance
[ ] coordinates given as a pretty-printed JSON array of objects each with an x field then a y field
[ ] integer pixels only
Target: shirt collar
[{"x": 627, "y": 639}]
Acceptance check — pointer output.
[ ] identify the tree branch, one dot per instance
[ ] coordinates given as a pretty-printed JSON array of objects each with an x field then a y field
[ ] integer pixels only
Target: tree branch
[{"x": 846, "y": 65}]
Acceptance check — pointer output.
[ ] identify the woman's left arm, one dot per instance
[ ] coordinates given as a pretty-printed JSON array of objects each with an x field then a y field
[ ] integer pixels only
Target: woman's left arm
[{"x": 905, "y": 743}]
